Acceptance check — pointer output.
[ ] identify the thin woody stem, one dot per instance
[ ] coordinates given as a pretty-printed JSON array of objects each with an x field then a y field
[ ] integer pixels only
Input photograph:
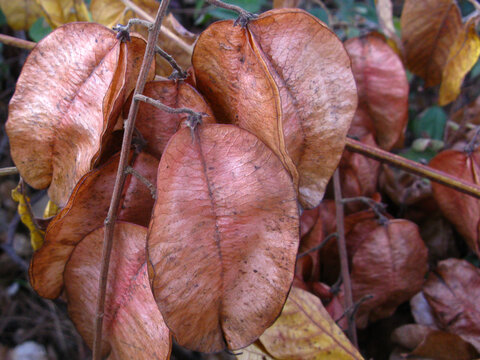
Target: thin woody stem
[
  {"x": 375, "y": 206},
  {"x": 143, "y": 180},
  {"x": 161, "y": 106},
  {"x": 243, "y": 16},
  {"x": 342, "y": 250},
  {"x": 164, "y": 30},
  {"x": 12, "y": 170},
  {"x": 318, "y": 247},
  {"x": 19, "y": 43},
  {"x": 178, "y": 71},
  {"x": 413, "y": 167},
  {"x": 120, "y": 179}
]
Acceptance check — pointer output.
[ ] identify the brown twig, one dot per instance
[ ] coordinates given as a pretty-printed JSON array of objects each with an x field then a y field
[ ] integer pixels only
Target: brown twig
[
  {"x": 413, "y": 167},
  {"x": 243, "y": 16},
  {"x": 164, "y": 30},
  {"x": 143, "y": 180},
  {"x": 342, "y": 250},
  {"x": 377, "y": 208},
  {"x": 319, "y": 246},
  {"x": 12, "y": 170},
  {"x": 20, "y": 43},
  {"x": 120, "y": 179}
]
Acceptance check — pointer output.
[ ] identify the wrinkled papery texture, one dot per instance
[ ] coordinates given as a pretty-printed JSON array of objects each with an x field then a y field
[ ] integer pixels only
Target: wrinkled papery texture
[
  {"x": 158, "y": 126},
  {"x": 461, "y": 210},
  {"x": 85, "y": 211},
  {"x": 55, "y": 119},
  {"x": 223, "y": 237},
  {"x": 20, "y": 14},
  {"x": 430, "y": 343},
  {"x": 304, "y": 330},
  {"x": 389, "y": 264},
  {"x": 133, "y": 327},
  {"x": 452, "y": 291},
  {"x": 359, "y": 174},
  {"x": 292, "y": 86},
  {"x": 462, "y": 57},
  {"x": 429, "y": 29},
  {"x": 124, "y": 84},
  {"x": 59, "y": 12},
  {"x": 285, "y": 3},
  {"x": 382, "y": 86}
]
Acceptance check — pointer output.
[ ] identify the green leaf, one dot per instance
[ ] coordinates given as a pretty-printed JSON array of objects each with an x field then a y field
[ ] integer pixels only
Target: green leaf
[
  {"x": 320, "y": 14},
  {"x": 253, "y": 6},
  {"x": 39, "y": 29},
  {"x": 475, "y": 70},
  {"x": 3, "y": 19},
  {"x": 419, "y": 156},
  {"x": 430, "y": 123}
]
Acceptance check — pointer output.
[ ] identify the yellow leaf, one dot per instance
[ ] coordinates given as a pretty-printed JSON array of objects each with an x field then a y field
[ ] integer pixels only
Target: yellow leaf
[
  {"x": 36, "y": 235},
  {"x": 463, "y": 55},
  {"x": 304, "y": 330},
  {"x": 20, "y": 14},
  {"x": 50, "y": 210},
  {"x": 113, "y": 12},
  {"x": 59, "y": 12},
  {"x": 253, "y": 352}
]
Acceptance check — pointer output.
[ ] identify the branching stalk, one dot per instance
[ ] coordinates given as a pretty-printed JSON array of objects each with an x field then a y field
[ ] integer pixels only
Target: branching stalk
[
  {"x": 413, "y": 167},
  {"x": 318, "y": 247},
  {"x": 143, "y": 180},
  {"x": 178, "y": 72},
  {"x": 342, "y": 250},
  {"x": 120, "y": 179},
  {"x": 243, "y": 16},
  {"x": 164, "y": 30}
]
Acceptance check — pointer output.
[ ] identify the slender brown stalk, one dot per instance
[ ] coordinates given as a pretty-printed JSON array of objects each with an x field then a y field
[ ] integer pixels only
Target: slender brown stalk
[
  {"x": 342, "y": 250},
  {"x": 20, "y": 43},
  {"x": 164, "y": 30},
  {"x": 413, "y": 167},
  {"x": 12, "y": 170},
  {"x": 120, "y": 179}
]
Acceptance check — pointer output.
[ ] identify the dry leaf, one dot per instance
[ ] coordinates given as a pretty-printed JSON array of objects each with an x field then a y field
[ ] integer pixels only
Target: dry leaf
[
  {"x": 430, "y": 343},
  {"x": 429, "y": 29},
  {"x": 223, "y": 237},
  {"x": 382, "y": 87},
  {"x": 55, "y": 120},
  {"x": 389, "y": 264},
  {"x": 296, "y": 83},
  {"x": 277, "y": 4},
  {"x": 453, "y": 291},
  {"x": 158, "y": 126},
  {"x": 59, "y": 12},
  {"x": 20, "y": 14},
  {"x": 133, "y": 327},
  {"x": 86, "y": 211},
  {"x": 463, "y": 56},
  {"x": 463, "y": 211},
  {"x": 304, "y": 330}
]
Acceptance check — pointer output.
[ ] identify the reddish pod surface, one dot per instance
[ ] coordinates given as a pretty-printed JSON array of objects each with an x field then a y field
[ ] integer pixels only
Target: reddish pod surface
[
  {"x": 85, "y": 211},
  {"x": 133, "y": 327},
  {"x": 223, "y": 237},
  {"x": 287, "y": 78}
]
